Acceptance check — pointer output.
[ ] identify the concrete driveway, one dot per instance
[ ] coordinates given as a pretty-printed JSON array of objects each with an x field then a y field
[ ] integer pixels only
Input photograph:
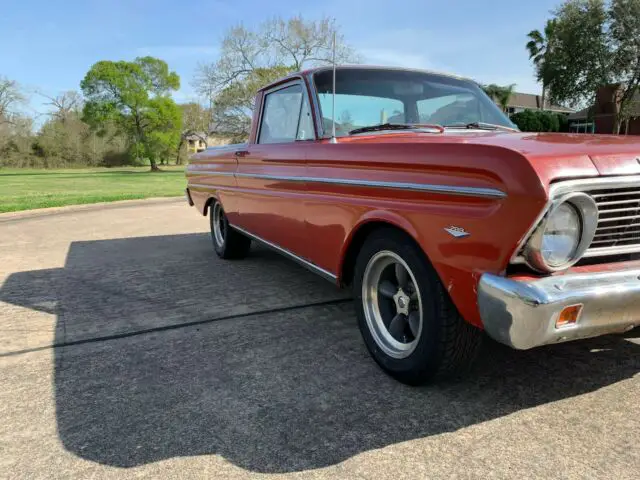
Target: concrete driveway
[{"x": 128, "y": 349}]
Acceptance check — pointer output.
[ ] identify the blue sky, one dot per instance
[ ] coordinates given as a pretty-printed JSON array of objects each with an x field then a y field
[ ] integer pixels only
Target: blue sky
[{"x": 48, "y": 46}]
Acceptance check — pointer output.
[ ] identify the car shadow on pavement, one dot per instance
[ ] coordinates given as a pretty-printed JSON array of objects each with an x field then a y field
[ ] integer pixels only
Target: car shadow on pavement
[{"x": 268, "y": 387}]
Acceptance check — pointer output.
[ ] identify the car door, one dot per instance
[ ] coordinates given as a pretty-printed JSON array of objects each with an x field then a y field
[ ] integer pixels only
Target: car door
[{"x": 271, "y": 187}]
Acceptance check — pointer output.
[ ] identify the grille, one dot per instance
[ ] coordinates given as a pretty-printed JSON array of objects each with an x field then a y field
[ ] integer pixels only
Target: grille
[{"x": 618, "y": 221}]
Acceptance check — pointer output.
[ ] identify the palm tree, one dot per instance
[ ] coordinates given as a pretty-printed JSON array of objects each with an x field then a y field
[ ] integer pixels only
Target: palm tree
[
  {"x": 504, "y": 95},
  {"x": 500, "y": 95},
  {"x": 538, "y": 46}
]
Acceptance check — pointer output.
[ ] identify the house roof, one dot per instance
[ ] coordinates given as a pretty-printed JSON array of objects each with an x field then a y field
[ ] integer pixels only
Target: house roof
[
  {"x": 534, "y": 102},
  {"x": 197, "y": 136}
]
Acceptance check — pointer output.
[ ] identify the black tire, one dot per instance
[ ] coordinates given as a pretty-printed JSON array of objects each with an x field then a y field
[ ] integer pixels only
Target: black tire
[
  {"x": 231, "y": 244},
  {"x": 446, "y": 345}
]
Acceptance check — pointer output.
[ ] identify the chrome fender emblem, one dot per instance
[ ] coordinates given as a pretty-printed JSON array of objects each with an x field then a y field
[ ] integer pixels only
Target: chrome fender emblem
[{"x": 457, "y": 232}]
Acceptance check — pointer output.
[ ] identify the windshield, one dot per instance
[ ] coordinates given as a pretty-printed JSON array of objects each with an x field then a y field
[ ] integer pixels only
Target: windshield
[{"x": 367, "y": 97}]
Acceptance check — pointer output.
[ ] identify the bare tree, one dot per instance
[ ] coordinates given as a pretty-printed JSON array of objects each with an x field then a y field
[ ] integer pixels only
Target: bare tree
[
  {"x": 64, "y": 105},
  {"x": 10, "y": 99},
  {"x": 249, "y": 59}
]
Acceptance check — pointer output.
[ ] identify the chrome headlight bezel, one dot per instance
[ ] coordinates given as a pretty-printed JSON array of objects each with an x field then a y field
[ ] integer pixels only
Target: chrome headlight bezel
[{"x": 587, "y": 211}]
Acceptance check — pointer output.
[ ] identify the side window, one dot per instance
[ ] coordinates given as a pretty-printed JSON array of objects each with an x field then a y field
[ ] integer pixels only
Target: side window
[
  {"x": 305, "y": 126},
  {"x": 280, "y": 115}
]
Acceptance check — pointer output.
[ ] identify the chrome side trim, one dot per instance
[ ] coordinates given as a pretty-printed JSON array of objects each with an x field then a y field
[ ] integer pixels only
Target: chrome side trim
[
  {"x": 305, "y": 263},
  {"x": 589, "y": 184},
  {"x": 419, "y": 187},
  {"x": 209, "y": 187},
  {"x": 208, "y": 172},
  {"x": 523, "y": 313}
]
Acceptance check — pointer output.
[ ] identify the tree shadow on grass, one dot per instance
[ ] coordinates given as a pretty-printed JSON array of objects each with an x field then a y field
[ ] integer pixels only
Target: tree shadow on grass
[{"x": 279, "y": 391}]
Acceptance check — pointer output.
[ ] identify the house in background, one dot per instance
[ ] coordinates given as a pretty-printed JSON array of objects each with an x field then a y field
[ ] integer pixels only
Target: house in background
[
  {"x": 582, "y": 122},
  {"x": 197, "y": 142},
  {"x": 600, "y": 117},
  {"x": 519, "y": 102}
]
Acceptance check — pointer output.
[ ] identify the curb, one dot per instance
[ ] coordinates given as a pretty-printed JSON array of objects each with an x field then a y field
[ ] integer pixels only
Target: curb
[{"x": 41, "y": 212}]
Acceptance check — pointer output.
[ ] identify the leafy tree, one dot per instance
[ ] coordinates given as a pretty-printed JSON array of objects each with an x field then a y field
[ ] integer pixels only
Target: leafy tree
[
  {"x": 136, "y": 98},
  {"x": 500, "y": 94},
  {"x": 250, "y": 59},
  {"x": 538, "y": 46},
  {"x": 625, "y": 45},
  {"x": 594, "y": 43}
]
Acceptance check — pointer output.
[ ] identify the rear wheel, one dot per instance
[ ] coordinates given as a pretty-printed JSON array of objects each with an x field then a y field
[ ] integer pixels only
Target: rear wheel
[
  {"x": 227, "y": 242},
  {"x": 407, "y": 320}
]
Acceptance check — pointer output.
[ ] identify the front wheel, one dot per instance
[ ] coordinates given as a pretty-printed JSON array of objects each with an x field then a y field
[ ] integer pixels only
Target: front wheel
[
  {"x": 407, "y": 320},
  {"x": 227, "y": 242}
]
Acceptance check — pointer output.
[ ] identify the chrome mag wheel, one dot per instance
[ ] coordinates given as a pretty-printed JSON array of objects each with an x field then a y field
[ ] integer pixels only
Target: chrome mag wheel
[
  {"x": 392, "y": 304},
  {"x": 219, "y": 225}
]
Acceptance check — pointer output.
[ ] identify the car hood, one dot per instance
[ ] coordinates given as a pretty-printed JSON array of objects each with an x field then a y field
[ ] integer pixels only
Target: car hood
[
  {"x": 610, "y": 154},
  {"x": 552, "y": 155}
]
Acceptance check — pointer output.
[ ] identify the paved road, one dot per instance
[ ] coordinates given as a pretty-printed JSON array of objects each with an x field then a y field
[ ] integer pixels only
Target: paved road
[{"x": 128, "y": 349}]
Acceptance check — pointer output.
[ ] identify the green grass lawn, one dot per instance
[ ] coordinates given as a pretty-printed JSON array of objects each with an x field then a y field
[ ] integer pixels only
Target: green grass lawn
[{"x": 24, "y": 189}]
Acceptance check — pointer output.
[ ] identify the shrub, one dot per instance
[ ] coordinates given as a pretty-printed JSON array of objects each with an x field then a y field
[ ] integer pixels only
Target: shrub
[
  {"x": 540, "y": 121},
  {"x": 527, "y": 121}
]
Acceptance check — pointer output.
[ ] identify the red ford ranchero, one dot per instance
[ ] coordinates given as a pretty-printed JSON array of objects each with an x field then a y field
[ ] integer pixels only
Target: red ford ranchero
[{"x": 416, "y": 191}]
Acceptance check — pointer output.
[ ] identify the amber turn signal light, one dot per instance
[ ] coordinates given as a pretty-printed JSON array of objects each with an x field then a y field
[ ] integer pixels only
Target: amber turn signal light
[{"x": 569, "y": 315}]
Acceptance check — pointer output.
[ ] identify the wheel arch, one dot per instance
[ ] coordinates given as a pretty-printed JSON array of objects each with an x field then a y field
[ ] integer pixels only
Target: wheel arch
[
  {"x": 208, "y": 203},
  {"x": 358, "y": 235}
]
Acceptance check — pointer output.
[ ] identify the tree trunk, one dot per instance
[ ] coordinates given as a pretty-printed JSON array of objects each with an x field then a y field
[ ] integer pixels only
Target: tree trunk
[
  {"x": 154, "y": 164},
  {"x": 543, "y": 97},
  {"x": 617, "y": 123},
  {"x": 178, "y": 159}
]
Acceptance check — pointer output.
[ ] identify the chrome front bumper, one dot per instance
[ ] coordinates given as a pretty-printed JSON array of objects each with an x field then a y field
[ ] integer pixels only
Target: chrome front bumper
[{"x": 523, "y": 313}]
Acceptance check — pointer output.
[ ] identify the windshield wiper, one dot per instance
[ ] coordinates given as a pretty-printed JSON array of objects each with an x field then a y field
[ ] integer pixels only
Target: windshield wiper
[
  {"x": 481, "y": 126},
  {"x": 396, "y": 126}
]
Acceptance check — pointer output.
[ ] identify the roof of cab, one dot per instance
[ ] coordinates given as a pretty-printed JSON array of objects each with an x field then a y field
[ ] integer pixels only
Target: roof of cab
[{"x": 310, "y": 71}]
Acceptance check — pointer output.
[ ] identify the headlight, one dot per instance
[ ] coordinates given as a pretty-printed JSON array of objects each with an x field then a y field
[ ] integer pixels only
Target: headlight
[
  {"x": 564, "y": 234},
  {"x": 561, "y": 236}
]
